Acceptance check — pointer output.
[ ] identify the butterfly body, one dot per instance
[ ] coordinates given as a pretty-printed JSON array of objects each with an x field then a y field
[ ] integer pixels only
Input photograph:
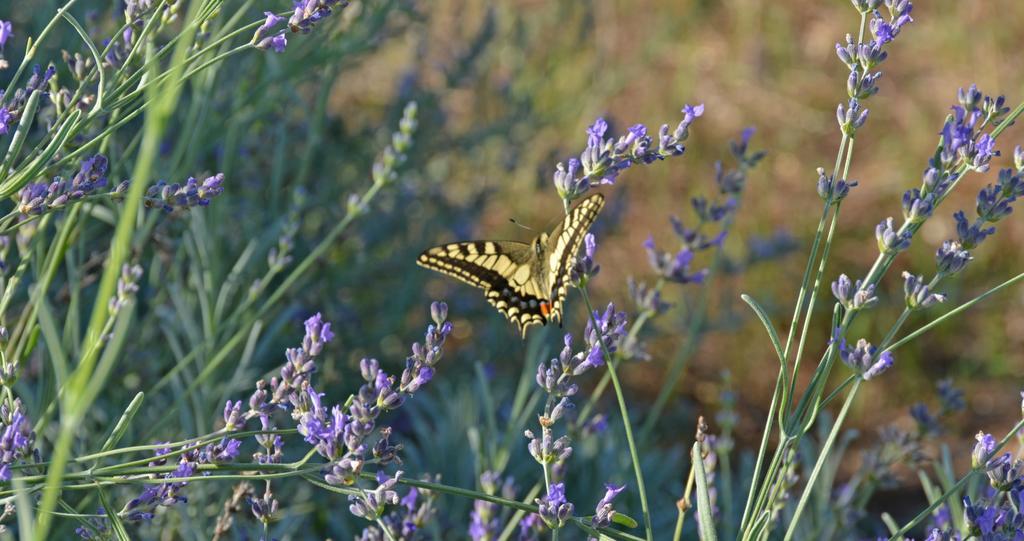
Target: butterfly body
[{"x": 526, "y": 282}]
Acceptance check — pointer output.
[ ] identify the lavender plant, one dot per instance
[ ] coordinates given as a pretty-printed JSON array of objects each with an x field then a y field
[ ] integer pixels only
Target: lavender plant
[{"x": 142, "y": 389}]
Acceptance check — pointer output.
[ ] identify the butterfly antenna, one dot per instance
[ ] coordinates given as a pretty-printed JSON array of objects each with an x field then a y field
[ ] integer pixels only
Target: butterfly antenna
[{"x": 526, "y": 227}]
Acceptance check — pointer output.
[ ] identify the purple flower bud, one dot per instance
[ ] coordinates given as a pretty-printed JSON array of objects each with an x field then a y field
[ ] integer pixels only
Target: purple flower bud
[
  {"x": 6, "y": 31},
  {"x": 918, "y": 294},
  {"x": 604, "y": 512},
  {"x": 983, "y": 450}
]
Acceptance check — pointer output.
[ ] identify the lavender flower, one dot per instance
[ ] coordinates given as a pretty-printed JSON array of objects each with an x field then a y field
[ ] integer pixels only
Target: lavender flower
[
  {"x": 127, "y": 287},
  {"x": 554, "y": 509},
  {"x": 38, "y": 198},
  {"x": 675, "y": 268},
  {"x": 1004, "y": 473},
  {"x": 610, "y": 329},
  {"x": 309, "y": 12},
  {"x": 371, "y": 503},
  {"x": 833, "y": 190},
  {"x": 861, "y": 59},
  {"x": 17, "y": 439},
  {"x": 604, "y": 512},
  {"x": 485, "y": 520},
  {"x": 96, "y": 528},
  {"x": 694, "y": 239},
  {"x": 854, "y": 296},
  {"x": 983, "y": 450},
  {"x": 951, "y": 258},
  {"x": 175, "y": 196},
  {"x": 265, "y": 507},
  {"x": 918, "y": 294},
  {"x": 604, "y": 158},
  {"x": 886, "y": 30},
  {"x": 7, "y": 118},
  {"x": 262, "y": 39},
  {"x": 166, "y": 494},
  {"x": 917, "y": 207},
  {"x": 585, "y": 267},
  {"x": 647, "y": 299},
  {"x": 6, "y": 31},
  {"x": 950, "y": 398},
  {"x": 414, "y": 511},
  {"x": 890, "y": 239},
  {"x": 862, "y": 358}
]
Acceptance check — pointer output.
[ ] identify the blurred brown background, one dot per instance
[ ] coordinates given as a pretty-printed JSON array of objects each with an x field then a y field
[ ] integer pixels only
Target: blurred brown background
[{"x": 524, "y": 79}]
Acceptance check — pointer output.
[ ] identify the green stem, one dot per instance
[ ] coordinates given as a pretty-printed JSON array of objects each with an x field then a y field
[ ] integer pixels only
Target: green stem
[
  {"x": 822, "y": 457},
  {"x": 627, "y": 426},
  {"x": 963, "y": 307}
]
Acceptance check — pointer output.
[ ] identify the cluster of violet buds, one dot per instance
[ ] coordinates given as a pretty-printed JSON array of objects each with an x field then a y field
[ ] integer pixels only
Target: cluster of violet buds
[
  {"x": 265, "y": 39},
  {"x": 557, "y": 379},
  {"x": 17, "y": 439},
  {"x": 604, "y": 158},
  {"x": 994, "y": 202},
  {"x": 717, "y": 212},
  {"x": 862, "y": 60},
  {"x": 192, "y": 194},
  {"x": 38, "y": 198},
  {"x": 485, "y": 520},
  {"x": 309, "y": 12},
  {"x": 168, "y": 493},
  {"x": 864, "y": 358},
  {"x": 966, "y": 145},
  {"x": 6, "y": 31},
  {"x": 414, "y": 511},
  {"x": 995, "y": 512}
]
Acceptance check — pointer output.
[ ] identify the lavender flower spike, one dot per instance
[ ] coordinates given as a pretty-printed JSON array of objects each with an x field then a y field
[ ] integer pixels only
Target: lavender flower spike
[
  {"x": 605, "y": 157},
  {"x": 854, "y": 295},
  {"x": 863, "y": 360},
  {"x": 983, "y": 450},
  {"x": 585, "y": 268},
  {"x": 262, "y": 38},
  {"x": 554, "y": 508},
  {"x": 371, "y": 504},
  {"x": 918, "y": 294},
  {"x": 891, "y": 240},
  {"x": 6, "y": 31},
  {"x": 604, "y": 512}
]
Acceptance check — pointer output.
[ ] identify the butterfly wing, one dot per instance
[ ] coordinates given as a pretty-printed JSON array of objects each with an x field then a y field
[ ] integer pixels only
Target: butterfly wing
[
  {"x": 563, "y": 243},
  {"x": 505, "y": 270}
]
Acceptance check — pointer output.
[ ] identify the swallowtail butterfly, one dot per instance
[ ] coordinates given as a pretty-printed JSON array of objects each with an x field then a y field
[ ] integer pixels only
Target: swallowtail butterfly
[{"x": 527, "y": 283}]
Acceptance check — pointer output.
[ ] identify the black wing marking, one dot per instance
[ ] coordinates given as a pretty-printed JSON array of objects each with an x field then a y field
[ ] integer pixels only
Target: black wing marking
[
  {"x": 503, "y": 269},
  {"x": 564, "y": 242}
]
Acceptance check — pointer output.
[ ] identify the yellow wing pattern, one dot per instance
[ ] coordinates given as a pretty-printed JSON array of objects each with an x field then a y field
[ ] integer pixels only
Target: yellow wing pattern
[{"x": 527, "y": 283}]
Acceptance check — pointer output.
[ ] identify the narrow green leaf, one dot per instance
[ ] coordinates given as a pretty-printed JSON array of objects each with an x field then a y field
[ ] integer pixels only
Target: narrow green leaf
[
  {"x": 115, "y": 521},
  {"x": 24, "y": 125},
  {"x": 890, "y": 523},
  {"x": 58, "y": 357},
  {"x": 23, "y": 500},
  {"x": 98, "y": 61},
  {"x": 122, "y": 424},
  {"x": 706, "y": 523},
  {"x": 763, "y": 316},
  {"x": 625, "y": 520}
]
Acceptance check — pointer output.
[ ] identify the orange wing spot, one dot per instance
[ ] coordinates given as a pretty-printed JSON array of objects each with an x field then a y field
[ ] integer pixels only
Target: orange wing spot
[{"x": 545, "y": 308}]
